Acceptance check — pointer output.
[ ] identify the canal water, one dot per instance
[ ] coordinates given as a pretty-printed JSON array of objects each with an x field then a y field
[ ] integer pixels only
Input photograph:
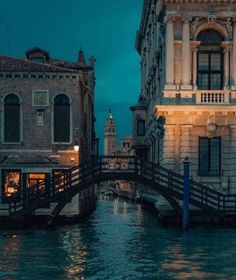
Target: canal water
[{"x": 118, "y": 241}]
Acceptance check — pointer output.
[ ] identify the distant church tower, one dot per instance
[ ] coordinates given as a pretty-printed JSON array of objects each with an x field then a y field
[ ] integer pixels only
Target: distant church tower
[{"x": 109, "y": 135}]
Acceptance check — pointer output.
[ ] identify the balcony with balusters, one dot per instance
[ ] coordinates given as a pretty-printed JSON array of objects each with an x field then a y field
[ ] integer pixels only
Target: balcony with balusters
[{"x": 213, "y": 97}]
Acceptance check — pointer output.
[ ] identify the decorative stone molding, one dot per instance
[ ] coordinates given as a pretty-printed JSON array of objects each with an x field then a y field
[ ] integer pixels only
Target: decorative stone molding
[
  {"x": 226, "y": 45},
  {"x": 186, "y": 19},
  {"x": 211, "y": 130},
  {"x": 223, "y": 24},
  {"x": 169, "y": 19},
  {"x": 195, "y": 45},
  {"x": 211, "y": 19}
]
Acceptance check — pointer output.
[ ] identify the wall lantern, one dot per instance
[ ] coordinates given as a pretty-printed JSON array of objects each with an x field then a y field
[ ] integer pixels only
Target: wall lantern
[
  {"x": 76, "y": 146},
  {"x": 211, "y": 129}
]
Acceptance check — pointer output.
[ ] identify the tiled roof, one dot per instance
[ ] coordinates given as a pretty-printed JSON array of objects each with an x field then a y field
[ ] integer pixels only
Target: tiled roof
[{"x": 11, "y": 64}]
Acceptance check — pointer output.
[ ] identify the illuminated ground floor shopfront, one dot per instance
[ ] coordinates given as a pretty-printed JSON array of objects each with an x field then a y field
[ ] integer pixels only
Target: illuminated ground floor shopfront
[{"x": 16, "y": 180}]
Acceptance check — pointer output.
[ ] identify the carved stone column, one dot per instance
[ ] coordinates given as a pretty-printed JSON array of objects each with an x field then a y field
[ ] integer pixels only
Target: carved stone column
[
  {"x": 169, "y": 53},
  {"x": 186, "y": 52},
  {"x": 234, "y": 57},
  {"x": 194, "y": 45},
  {"x": 226, "y": 45}
]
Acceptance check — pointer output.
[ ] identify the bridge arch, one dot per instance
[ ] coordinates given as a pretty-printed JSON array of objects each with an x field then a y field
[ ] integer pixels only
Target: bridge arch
[
  {"x": 131, "y": 168},
  {"x": 97, "y": 179}
]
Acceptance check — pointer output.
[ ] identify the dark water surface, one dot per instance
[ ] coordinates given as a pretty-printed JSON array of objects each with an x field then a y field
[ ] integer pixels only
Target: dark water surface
[{"x": 119, "y": 241}]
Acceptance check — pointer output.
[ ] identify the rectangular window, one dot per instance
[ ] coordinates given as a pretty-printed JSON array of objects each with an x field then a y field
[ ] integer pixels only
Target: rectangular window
[
  {"x": 202, "y": 81},
  {"x": 35, "y": 179},
  {"x": 216, "y": 62},
  {"x": 61, "y": 178},
  {"x": 11, "y": 182},
  {"x": 203, "y": 61},
  {"x": 210, "y": 69},
  {"x": 215, "y": 81},
  {"x": 209, "y": 156},
  {"x": 140, "y": 127}
]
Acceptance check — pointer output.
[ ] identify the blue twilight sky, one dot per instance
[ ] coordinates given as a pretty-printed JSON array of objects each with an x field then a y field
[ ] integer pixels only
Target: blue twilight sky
[{"x": 105, "y": 29}]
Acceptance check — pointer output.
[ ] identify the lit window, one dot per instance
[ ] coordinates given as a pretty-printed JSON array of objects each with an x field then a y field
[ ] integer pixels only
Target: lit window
[
  {"x": 140, "y": 127},
  {"x": 35, "y": 179},
  {"x": 210, "y": 60},
  {"x": 61, "y": 178},
  {"x": 11, "y": 182},
  {"x": 61, "y": 119},
  {"x": 11, "y": 118},
  {"x": 209, "y": 156}
]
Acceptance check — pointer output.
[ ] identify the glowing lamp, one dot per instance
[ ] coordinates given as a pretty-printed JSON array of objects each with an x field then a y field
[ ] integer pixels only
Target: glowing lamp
[{"x": 76, "y": 146}]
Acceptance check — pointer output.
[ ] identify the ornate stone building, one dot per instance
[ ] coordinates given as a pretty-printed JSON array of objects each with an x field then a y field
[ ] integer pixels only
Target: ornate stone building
[
  {"x": 187, "y": 104},
  {"x": 47, "y": 119}
]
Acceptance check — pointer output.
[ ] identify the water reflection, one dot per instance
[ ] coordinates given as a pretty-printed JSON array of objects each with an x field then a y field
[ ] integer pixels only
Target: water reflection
[
  {"x": 119, "y": 241},
  {"x": 10, "y": 248},
  {"x": 76, "y": 254}
]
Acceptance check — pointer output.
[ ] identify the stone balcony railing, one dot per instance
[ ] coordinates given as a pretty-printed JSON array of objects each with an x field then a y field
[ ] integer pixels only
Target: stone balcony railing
[{"x": 216, "y": 97}]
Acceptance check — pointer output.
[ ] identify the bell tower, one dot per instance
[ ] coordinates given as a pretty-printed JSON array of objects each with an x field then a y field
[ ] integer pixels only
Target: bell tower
[{"x": 109, "y": 135}]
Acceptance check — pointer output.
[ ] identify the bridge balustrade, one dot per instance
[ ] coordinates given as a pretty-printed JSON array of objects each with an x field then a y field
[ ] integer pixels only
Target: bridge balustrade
[{"x": 163, "y": 181}]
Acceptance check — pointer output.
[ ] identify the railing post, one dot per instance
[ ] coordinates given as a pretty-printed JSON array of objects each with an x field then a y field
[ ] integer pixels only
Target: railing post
[
  {"x": 186, "y": 194},
  {"x": 100, "y": 165},
  {"x": 136, "y": 166}
]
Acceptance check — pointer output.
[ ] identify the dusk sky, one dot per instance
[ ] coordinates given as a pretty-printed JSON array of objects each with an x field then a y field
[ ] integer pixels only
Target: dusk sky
[{"x": 105, "y": 29}]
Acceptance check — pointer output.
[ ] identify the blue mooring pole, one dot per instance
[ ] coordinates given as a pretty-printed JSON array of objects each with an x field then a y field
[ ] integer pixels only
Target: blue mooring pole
[{"x": 186, "y": 194}]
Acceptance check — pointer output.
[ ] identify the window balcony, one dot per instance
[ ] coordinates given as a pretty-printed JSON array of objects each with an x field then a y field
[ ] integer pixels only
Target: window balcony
[{"x": 214, "y": 97}]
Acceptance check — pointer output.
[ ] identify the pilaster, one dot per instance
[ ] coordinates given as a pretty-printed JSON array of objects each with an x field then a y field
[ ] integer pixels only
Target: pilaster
[
  {"x": 169, "y": 53},
  {"x": 226, "y": 45},
  {"x": 194, "y": 46},
  {"x": 186, "y": 59},
  {"x": 169, "y": 147},
  {"x": 234, "y": 58}
]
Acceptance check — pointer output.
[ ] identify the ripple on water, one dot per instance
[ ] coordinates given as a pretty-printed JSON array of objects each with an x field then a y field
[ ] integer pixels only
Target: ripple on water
[{"x": 119, "y": 241}]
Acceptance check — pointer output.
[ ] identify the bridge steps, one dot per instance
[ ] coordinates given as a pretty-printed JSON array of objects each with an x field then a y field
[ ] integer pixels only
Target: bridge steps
[{"x": 81, "y": 179}]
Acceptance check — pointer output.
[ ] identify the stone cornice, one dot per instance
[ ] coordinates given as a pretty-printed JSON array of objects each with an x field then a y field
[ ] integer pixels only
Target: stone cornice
[{"x": 170, "y": 109}]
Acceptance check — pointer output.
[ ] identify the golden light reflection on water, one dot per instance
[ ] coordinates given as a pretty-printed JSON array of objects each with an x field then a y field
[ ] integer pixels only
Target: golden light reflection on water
[
  {"x": 10, "y": 251},
  {"x": 182, "y": 267},
  {"x": 125, "y": 208},
  {"x": 77, "y": 256}
]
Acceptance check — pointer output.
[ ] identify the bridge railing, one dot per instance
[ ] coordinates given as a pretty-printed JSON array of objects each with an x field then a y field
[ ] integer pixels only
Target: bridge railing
[
  {"x": 169, "y": 181},
  {"x": 201, "y": 195}
]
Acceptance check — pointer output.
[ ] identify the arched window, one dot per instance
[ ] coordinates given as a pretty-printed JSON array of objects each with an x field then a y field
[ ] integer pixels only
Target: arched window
[
  {"x": 61, "y": 118},
  {"x": 210, "y": 60},
  {"x": 12, "y": 118}
]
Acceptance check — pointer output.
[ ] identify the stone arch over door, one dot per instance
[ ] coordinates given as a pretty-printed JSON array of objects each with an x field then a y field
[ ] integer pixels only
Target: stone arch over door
[{"x": 214, "y": 26}]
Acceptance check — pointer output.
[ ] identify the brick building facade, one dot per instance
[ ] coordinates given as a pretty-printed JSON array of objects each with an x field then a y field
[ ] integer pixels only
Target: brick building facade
[{"x": 46, "y": 118}]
